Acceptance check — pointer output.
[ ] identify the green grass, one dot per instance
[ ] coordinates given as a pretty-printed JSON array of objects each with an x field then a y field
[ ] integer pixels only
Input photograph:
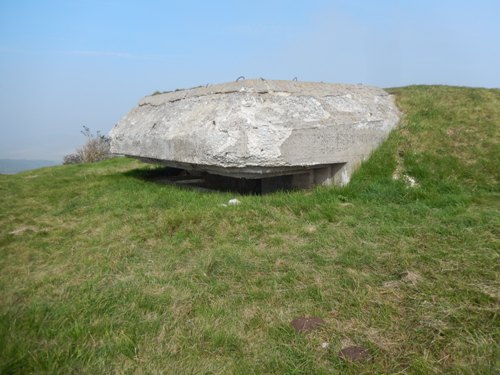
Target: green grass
[{"x": 107, "y": 272}]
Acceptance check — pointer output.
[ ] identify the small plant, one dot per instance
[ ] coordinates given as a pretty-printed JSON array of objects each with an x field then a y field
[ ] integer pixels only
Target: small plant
[
  {"x": 96, "y": 148},
  {"x": 72, "y": 159}
]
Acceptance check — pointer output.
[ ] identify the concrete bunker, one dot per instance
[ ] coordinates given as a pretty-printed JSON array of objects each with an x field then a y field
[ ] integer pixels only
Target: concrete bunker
[{"x": 259, "y": 136}]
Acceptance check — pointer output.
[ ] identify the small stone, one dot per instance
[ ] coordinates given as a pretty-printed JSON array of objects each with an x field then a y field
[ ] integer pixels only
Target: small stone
[
  {"x": 233, "y": 202},
  {"x": 306, "y": 324},
  {"x": 325, "y": 345},
  {"x": 355, "y": 354}
]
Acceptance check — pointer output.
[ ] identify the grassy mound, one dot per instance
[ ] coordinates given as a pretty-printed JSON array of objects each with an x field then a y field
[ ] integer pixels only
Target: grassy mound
[{"x": 106, "y": 271}]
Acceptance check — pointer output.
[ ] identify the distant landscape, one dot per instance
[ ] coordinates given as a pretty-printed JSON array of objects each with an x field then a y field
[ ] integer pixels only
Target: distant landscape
[{"x": 12, "y": 166}]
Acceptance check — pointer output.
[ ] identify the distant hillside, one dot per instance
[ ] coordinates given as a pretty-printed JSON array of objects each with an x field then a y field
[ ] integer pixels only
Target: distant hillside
[{"x": 11, "y": 166}]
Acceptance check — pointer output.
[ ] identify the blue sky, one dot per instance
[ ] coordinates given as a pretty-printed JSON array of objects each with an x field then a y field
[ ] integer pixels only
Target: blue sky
[{"x": 65, "y": 64}]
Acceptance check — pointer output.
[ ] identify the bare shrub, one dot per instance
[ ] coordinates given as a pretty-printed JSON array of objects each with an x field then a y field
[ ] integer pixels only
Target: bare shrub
[
  {"x": 72, "y": 159},
  {"x": 96, "y": 148}
]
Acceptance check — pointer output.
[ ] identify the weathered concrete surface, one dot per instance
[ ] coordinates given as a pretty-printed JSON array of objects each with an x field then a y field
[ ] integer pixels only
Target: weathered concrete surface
[{"x": 258, "y": 128}]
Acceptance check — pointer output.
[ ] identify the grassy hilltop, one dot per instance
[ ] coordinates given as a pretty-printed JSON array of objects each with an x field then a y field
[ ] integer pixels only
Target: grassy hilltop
[{"x": 106, "y": 271}]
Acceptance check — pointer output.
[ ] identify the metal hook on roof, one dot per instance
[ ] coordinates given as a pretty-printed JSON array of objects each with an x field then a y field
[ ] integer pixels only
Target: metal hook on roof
[
  {"x": 240, "y": 78},
  {"x": 294, "y": 79}
]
